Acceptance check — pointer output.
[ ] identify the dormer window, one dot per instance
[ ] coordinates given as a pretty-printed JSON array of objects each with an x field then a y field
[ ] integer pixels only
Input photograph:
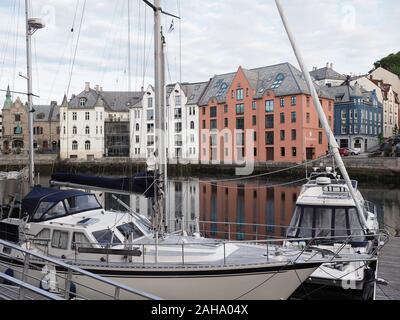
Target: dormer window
[
  {"x": 82, "y": 102},
  {"x": 278, "y": 81},
  {"x": 40, "y": 116}
]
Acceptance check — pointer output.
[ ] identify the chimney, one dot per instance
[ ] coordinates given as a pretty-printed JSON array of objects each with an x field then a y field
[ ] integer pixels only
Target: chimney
[
  {"x": 314, "y": 68},
  {"x": 87, "y": 86}
]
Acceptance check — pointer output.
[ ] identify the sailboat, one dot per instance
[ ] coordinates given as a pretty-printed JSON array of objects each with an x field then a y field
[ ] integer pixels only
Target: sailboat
[{"x": 71, "y": 225}]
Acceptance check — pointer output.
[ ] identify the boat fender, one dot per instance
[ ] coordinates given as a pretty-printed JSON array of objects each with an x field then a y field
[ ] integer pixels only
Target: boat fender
[
  {"x": 9, "y": 272},
  {"x": 45, "y": 282}
]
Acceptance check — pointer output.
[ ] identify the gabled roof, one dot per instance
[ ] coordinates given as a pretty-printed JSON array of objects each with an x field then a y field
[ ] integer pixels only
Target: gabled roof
[
  {"x": 45, "y": 113},
  {"x": 284, "y": 79},
  {"x": 346, "y": 93},
  {"x": 117, "y": 101},
  {"x": 327, "y": 74},
  {"x": 193, "y": 91}
]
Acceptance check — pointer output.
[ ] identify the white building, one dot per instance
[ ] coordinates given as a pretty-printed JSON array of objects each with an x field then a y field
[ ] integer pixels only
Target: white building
[
  {"x": 327, "y": 76},
  {"x": 84, "y": 118},
  {"x": 182, "y": 123}
]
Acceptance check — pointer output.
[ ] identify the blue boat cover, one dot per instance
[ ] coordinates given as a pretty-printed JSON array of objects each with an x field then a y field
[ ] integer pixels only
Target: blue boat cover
[
  {"x": 38, "y": 194},
  {"x": 141, "y": 183}
]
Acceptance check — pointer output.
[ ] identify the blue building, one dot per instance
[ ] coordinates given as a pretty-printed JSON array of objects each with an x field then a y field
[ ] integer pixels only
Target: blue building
[{"x": 357, "y": 117}]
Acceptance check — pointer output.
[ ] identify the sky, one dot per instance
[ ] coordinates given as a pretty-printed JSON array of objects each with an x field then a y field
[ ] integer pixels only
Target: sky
[{"x": 213, "y": 37}]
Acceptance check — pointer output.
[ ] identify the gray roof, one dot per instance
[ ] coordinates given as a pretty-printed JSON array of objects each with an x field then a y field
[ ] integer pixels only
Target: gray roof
[
  {"x": 46, "y": 113},
  {"x": 117, "y": 101},
  {"x": 345, "y": 93},
  {"x": 263, "y": 79},
  {"x": 193, "y": 91},
  {"x": 327, "y": 74}
]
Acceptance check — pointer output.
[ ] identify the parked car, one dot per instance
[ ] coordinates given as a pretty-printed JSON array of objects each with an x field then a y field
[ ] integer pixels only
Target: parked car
[
  {"x": 355, "y": 151},
  {"x": 344, "y": 152}
]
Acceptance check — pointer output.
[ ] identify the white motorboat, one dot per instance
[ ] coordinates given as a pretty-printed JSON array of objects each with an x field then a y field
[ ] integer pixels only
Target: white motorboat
[{"x": 326, "y": 208}]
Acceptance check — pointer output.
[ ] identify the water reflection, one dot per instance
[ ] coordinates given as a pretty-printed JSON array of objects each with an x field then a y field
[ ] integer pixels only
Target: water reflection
[{"x": 241, "y": 204}]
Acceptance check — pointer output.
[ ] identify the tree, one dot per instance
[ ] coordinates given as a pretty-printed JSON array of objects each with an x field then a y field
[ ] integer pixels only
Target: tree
[
  {"x": 390, "y": 63},
  {"x": 396, "y": 130}
]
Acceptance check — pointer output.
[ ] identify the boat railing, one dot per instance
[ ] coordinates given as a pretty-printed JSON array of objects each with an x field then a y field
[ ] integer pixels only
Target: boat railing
[
  {"x": 148, "y": 252},
  {"x": 68, "y": 281}
]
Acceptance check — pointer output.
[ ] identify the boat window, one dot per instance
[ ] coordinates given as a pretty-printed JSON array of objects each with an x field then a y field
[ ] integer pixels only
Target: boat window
[
  {"x": 57, "y": 211},
  {"x": 322, "y": 222},
  {"x": 82, "y": 203},
  {"x": 106, "y": 237},
  {"x": 42, "y": 238},
  {"x": 130, "y": 229},
  {"x": 42, "y": 208},
  {"x": 59, "y": 239},
  {"x": 340, "y": 223},
  {"x": 79, "y": 240}
]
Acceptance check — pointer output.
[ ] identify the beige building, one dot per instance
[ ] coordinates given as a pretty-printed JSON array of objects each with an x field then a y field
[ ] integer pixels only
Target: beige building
[
  {"x": 387, "y": 77},
  {"x": 46, "y": 128}
]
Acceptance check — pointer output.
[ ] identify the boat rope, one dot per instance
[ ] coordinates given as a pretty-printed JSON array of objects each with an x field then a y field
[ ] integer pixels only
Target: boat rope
[
  {"x": 76, "y": 47},
  {"x": 273, "y": 172}
]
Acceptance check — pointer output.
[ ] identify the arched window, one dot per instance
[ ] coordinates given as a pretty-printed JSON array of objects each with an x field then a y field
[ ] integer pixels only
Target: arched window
[
  {"x": 87, "y": 145},
  {"x": 74, "y": 145},
  {"x": 192, "y": 125},
  {"x": 74, "y": 130},
  {"x": 137, "y": 126},
  {"x": 87, "y": 130}
]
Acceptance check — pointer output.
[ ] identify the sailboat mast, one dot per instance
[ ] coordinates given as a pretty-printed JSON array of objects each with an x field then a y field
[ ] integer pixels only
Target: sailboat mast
[
  {"x": 159, "y": 119},
  {"x": 30, "y": 103},
  {"x": 321, "y": 114}
]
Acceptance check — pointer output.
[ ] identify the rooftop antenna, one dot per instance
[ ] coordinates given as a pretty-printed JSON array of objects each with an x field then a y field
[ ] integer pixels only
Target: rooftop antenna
[{"x": 331, "y": 138}]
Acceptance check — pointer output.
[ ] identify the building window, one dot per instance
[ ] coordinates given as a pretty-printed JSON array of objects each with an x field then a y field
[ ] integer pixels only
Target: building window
[
  {"x": 213, "y": 112},
  {"x": 269, "y": 106},
  {"x": 87, "y": 130},
  {"x": 344, "y": 115},
  {"x": 255, "y": 135},
  {"x": 282, "y": 118},
  {"x": 74, "y": 145},
  {"x": 204, "y": 111},
  {"x": 226, "y": 122},
  {"x": 344, "y": 130},
  {"x": 294, "y": 117},
  {"x": 278, "y": 81},
  {"x": 240, "y": 124},
  {"x": 213, "y": 124},
  {"x": 269, "y": 138},
  {"x": 178, "y": 113},
  {"x": 150, "y": 115},
  {"x": 240, "y": 108},
  {"x": 294, "y": 135},
  {"x": 82, "y": 102},
  {"x": 294, "y": 100},
  {"x": 239, "y": 94},
  {"x": 137, "y": 138},
  {"x": 74, "y": 116},
  {"x": 192, "y": 125},
  {"x": 282, "y": 102},
  {"x": 204, "y": 124},
  {"x": 226, "y": 108},
  {"x": 320, "y": 137},
  {"x": 308, "y": 102},
  {"x": 137, "y": 127},
  {"x": 178, "y": 127},
  {"x": 177, "y": 100},
  {"x": 269, "y": 122},
  {"x": 254, "y": 105},
  {"x": 254, "y": 120},
  {"x": 283, "y": 152},
  {"x": 64, "y": 130},
  {"x": 87, "y": 145},
  {"x": 64, "y": 116},
  {"x": 101, "y": 129},
  {"x": 308, "y": 117},
  {"x": 87, "y": 116},
  {"x": 282, "y": 134},
  {"x": 294, "y": 152},
  {"x": 150, "y": 103},
  {"x": 74, "y": 130}
]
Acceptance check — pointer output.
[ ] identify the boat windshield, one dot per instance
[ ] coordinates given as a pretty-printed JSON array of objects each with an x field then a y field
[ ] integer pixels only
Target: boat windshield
[
  {"x": 106, "y": 238},
  {"x": 310, "y": 222}
]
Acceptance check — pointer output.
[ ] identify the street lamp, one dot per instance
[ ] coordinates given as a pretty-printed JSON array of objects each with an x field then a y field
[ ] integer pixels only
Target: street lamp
[{"x": 32, "y": 25}]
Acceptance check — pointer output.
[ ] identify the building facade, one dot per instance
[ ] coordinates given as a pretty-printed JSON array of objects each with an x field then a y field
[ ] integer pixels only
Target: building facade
[
  {"x": 387, "y": 77},
  {"x": 358, "y": 117},
  {"x": 261, "y": 115},
  {"x": 94, "y": 124},
  {"x": 182, "y": 123},
  {"x": 46, "y": 128}
]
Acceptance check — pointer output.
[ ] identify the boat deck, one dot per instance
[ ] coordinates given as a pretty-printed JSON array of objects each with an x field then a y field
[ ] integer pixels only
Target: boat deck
[{"x": 388, "y": 269}]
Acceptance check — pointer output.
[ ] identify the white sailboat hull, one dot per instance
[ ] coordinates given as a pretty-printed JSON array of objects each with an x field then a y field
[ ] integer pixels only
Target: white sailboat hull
[{"x": 267, "y": 283}]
